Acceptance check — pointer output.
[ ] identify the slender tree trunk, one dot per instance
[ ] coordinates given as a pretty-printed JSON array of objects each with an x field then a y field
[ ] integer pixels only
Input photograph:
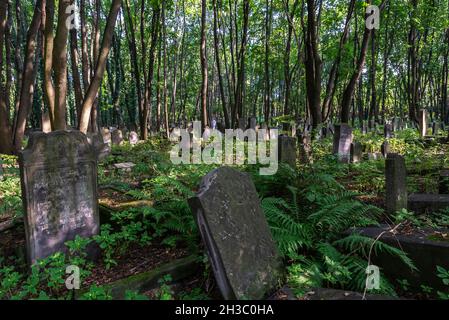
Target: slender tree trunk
[
  {"x": 92, "y": 92},
  {"x": 28, "y": 76},
  {"x": 60, "y": 66},
  {"x": 49, "y": 89},
  {"x": 149, "y": 86},
  {"x": 203, "y": 57},
  {"x": 5, "y": 127}
]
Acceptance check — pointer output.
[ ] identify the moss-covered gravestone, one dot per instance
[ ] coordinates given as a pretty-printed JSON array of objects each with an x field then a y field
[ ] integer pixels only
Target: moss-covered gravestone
[
  {"x": 59, "y": 191},
  {"x": 232, "y": 224}
]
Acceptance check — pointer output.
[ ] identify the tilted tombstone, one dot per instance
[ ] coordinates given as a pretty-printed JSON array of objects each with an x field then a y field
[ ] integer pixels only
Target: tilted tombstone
[
  {"x": 287, "y": 150},
  {"x": 356, "y": 152},
  {"x": 59, "y": 192},
  {"x": 117, "y": 137},
  {"x": 396, "y": 183},
  {"x": 342, "y": 142},
  {"x": 133, "y": 138},
  {"x": 422, "y": 122},
  {"x": 243, "y": 255},
  {"x": 385, "y": 148}
]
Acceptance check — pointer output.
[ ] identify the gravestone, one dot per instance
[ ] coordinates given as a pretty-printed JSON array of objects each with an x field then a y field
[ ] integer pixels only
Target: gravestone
[
  {"x": 342, "y": 142},
  {"x": 107, "y": 137},
  {"x": 243, "y": 255},
  {"x": 117, "y": 137},
  {"x": 396, "y": 184},
  {"x": 287, "y": 150},
  {"x": 422, "y": 122},
  {"x": 427, "y": 203},
  {"x": 374, "y": 156},
  {"x": 385, "y": 148},
  {"x": 242, "y": 124},
  {"x": 388, "y": 131},
  {"x": 252, "y": 123},
  {"x": 356, "y": 152},
  {"x": 133, "y": 138},
  {"x": 102, "y": 149},
  {"x": 59, "y": 192}
]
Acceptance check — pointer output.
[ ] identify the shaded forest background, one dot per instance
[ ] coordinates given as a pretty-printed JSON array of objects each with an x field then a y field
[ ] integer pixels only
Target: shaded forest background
[{"x": 149, "y": 65}]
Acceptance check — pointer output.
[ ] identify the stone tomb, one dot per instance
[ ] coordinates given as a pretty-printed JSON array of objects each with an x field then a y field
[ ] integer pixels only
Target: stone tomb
[
  {"x": 239, "y": 244},
  {"x": 342, "y": 142},
  {"x": 59, "y": 192}
]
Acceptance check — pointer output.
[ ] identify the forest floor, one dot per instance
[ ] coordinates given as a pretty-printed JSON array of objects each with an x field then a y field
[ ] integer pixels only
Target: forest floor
[{"x": 314, "y": 205}]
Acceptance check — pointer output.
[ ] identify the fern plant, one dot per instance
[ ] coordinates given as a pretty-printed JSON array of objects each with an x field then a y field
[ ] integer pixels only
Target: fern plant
[{"x": 308, "y": 230}]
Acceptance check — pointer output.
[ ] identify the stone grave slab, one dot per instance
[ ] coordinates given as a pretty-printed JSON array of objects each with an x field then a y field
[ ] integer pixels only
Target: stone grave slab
[
  {"x": 59, "y": 188},
  {"x": 239, "y": 244},
  {"x": 427, "y": 203}
]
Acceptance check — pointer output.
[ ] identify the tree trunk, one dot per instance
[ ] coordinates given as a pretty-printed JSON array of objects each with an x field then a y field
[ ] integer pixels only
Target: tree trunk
[{"x": 92, "y": 92}]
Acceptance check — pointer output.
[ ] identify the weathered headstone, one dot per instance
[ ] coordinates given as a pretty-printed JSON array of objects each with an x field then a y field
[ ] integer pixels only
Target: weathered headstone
[
  {"x": 59, "y": 191},
  {"x": 287, "y": 150},
  {"x": 342, "y": 142},
  {"x": 252, "y": 123},
  {"x": 242, "y": 124},
  {"x": 374, "y": 155},
  {"x": 356, "y": 152},
  {"x": 388, "y": 131},
  {"x": 427, "y": 203},
  {"x": 117, "y": 137},
  {"x": 396, "y": 184},
  {"x": 102, "y": 149},
  {"x": 385, "y": 148},
  {"x": 107, "y": 137},
  {"x": 133, "y": 138},
  {"x": 239, "y": 244},
  {"x": 422, "y": 122}
]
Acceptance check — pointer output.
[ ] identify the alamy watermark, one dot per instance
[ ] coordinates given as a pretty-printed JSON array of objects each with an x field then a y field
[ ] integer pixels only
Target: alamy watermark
[
  {"x": 373, "y": 19},
  {"x": 372, "y": 277},
  {"x": 230, "y": 148},
  {"x": 73, "y": 281}
]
